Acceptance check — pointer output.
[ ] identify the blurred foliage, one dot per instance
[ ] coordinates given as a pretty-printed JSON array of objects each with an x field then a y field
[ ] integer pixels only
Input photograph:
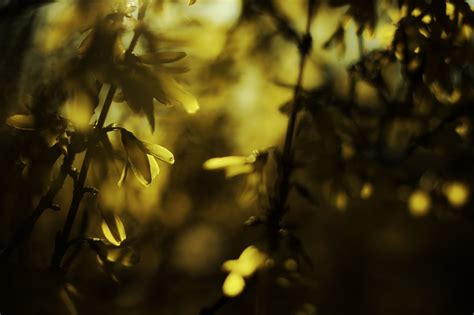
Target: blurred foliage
[{"x": 364, "y": 207}]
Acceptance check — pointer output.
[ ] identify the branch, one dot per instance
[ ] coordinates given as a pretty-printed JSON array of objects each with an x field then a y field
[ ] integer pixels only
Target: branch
[
  {"x": 63, "y": 237},
  {"x": 283, "y": 182}
]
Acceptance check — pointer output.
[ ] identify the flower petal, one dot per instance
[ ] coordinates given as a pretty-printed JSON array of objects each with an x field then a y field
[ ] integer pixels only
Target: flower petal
[
  {"x": 159, "y": 152},
  {"x": 234, "y": 170},
  {"x": 113, "y": 229},
  {"x": 154, "y": 168},
  {"x": 138, "y": 157},
  {"x": 124, "y": 174},
  {"x": 233, "y": 285},
  {"x": 177, "y": 95},
  {"x": 223, "y": 162}
]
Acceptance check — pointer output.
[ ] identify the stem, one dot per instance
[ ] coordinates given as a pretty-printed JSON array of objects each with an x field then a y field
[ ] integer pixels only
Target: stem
[
  {"x": 45, "y": 202},
  {"x": 283, "y": 183},
  {"x": 63, "y": 237}
]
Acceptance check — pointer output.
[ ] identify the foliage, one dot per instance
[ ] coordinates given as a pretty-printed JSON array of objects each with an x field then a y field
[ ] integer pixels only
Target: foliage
[{"x": 374, "y": 118}]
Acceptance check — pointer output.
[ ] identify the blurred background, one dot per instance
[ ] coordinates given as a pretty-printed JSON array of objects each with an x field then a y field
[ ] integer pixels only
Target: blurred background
[{"x": 383, "y": 146}]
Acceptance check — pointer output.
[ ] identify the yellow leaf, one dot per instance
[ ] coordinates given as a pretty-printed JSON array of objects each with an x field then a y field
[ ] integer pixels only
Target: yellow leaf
[
  {"x": 233, "y": 285},
  {"x": 159, "y": 152},
  {"x": 22, "y": 122},
  {"x": 113, "y": 229},
  {"x": 191, "y": 2}
]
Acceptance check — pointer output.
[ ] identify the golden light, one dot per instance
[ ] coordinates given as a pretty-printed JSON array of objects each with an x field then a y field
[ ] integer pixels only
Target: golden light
[
  {"x": 341, "y": 201},
  {"x": 347, "y": 151},
  {"x": 457, "y": 193},
  {"x": 462, "y": 128},
  {"x": 249, "y": 261},
  {"x": 233, "y": 285},
  {"x": 366, "y": 191},
  {"x": 419, "y": 203},
  {"x": 291, "y": 264}
]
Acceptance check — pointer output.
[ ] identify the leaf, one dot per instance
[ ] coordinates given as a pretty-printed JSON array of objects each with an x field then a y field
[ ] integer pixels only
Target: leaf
[
  {"x": 191, "y": 2},
  {"x": 22, "y": 122},
  {"x": 137, "y": 157},
  {"x": 162, "y": 57},
  {"x": 113, "y": 229},
  {"x": 159, "y": 152}
]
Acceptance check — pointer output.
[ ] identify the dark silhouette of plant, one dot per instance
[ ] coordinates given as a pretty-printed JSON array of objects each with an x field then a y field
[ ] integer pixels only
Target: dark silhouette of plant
[{"x": 101, "y": 63}]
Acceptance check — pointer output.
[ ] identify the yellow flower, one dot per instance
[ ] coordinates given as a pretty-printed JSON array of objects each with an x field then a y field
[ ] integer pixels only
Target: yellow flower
[
  {"x": 248, "y": 263},
  {"x": 141, "y": 157},
  {"x": 237, "y": 165}
]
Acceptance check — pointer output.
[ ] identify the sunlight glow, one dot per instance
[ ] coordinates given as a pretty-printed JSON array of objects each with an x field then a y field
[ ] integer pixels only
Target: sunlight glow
[{"x": 419, "y": 203}]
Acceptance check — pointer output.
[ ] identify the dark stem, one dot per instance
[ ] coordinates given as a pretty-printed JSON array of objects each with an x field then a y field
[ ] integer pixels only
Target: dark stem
[
  {"x": 63, "y": 236},
  {"x": 46, "y": 202},
  {"x": 283, "y": 182}
]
